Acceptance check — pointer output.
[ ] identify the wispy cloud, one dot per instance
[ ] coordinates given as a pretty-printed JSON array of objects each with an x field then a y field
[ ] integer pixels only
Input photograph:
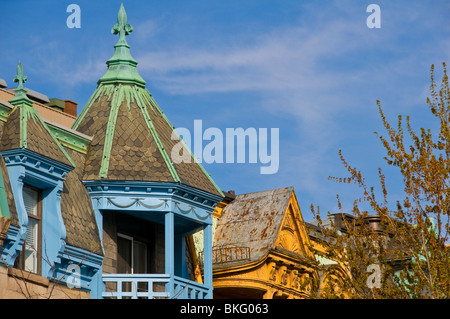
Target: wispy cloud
[
  {"x": 317, "y": 73},
  {"x": 62, "y": 64},
  {"x": 283, "y": 59},
  {"x": 321, "y": 72}
]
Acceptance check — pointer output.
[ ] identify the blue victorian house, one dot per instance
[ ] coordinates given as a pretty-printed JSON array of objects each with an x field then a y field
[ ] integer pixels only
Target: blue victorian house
[{"x": 102, "y": 207}]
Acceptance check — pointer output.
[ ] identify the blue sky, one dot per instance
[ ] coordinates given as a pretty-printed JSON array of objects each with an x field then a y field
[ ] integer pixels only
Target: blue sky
[{"x": 313, "y": 69}]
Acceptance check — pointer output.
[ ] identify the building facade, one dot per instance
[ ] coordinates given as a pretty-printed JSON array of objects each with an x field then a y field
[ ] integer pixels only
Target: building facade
[{"x": 93, "y": 205}]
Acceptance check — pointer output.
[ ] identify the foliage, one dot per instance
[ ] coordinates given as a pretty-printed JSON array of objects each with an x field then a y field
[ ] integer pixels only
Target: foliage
[{"x": 397, "y": 250}]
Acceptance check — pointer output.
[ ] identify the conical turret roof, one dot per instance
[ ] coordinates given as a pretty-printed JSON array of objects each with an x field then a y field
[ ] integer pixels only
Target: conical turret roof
[{"x": 132, "y": 138}]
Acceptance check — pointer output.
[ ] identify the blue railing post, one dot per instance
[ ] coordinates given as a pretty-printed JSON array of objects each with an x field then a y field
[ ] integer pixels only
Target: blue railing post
[
  {"x": 207, "y": 258},
  {"x": 169, "y": 233}
]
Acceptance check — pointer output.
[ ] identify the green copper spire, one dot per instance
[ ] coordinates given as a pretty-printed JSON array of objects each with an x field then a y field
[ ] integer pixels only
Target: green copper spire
[
  {"x": 121, "y": 66},
  {"x": 21, "y": 93},
  {"x": 122, "y": 28}
]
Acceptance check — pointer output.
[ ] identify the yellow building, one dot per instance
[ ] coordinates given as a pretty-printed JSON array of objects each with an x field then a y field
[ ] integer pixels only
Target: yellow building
[
  {"x": 262, "y": 248},
  {"x": 331, "y": 273}
]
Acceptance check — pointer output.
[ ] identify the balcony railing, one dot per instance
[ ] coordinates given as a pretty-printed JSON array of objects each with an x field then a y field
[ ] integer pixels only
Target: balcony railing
[
  {"x": 221, "y": 255},
  {"x": 152, "y": 286},
  {"x": 188, "y": 289}
]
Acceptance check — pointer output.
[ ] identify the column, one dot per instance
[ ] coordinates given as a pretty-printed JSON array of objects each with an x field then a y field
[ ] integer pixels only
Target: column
[{"x": 207, "y": 258}]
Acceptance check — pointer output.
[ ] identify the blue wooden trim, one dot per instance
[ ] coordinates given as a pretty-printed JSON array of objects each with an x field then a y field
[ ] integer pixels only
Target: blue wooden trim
[
  {"x": 45, "y": 169},
  {"x": 135, "y": 279},
  {"x": 149, "y": 197},
  {"x": 169, "y": 251},
  {"x": 86, "y": 264},
  {"x": 180, "y": 208},
  {"x": 169, "y": 241},
  {"x": 16, "y": 178},
  {"x": 53, "y": 229},
  {"x": 137, "y": 188},
  {"x": 12, "y": 246},
  {"x": 182, "y": 288},
  {"x": 27, "y": 167},
  {"x": 207, "y": 259}
]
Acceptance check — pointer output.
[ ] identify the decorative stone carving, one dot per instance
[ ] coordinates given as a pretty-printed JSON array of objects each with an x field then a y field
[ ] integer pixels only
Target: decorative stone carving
[
  {"x": 272, "y": 271},
  {"x": 284, "y": 276}
]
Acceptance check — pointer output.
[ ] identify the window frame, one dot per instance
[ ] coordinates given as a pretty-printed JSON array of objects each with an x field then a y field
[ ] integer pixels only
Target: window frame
[
  {"x": 38, "y": 218},
  {"x": 133, "y": 240}
]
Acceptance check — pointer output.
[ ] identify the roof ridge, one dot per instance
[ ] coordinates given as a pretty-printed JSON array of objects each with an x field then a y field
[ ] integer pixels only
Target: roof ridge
[
  {"x": 287, "y": 188},
  {"x": 148, "y": 120},
  {"x": 111, "y": 124},
  {"x": 152, "y": 100}
]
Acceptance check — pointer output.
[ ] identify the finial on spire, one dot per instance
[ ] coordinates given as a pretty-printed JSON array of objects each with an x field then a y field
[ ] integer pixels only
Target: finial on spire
[
  {"x": 20, "y": 78},
  {"x": 121, "y": 66},
  {"x": 122, "y": 27},
  {"x": 21, "y": 92}
]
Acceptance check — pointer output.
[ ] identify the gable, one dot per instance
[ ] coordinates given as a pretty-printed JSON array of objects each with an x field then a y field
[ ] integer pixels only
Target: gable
[
  {"x": 252, "y": 221},
  {"x": 292, "y": 235}
]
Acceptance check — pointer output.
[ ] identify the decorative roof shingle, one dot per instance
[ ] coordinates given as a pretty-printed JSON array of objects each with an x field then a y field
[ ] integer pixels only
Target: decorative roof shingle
[{"x": 77, "y": 211}]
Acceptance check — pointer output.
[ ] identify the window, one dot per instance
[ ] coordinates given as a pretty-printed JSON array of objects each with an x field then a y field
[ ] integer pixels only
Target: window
[
  {"x": 131, "y": 259},
  {"x": 29, "y": 259},
  {"x": 132, "y": 255}
]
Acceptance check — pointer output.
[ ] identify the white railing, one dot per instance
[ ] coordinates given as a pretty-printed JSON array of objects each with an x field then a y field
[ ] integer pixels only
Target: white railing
[{"x": 152, "y": 286}]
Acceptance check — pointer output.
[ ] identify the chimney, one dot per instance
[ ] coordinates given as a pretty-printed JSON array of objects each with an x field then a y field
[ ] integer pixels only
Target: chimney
[
  {"x": 65, "y": 106},
  {"x": 71, "y": 107},
  {"x": 3, "y": 84}
]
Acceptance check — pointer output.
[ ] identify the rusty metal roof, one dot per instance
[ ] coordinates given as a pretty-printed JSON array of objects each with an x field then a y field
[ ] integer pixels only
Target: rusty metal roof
[{"x": 252, "y": 220}]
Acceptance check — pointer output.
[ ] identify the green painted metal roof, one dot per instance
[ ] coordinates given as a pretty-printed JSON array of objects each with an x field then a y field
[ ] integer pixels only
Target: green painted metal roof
[{"x": 122, "y": 66}]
